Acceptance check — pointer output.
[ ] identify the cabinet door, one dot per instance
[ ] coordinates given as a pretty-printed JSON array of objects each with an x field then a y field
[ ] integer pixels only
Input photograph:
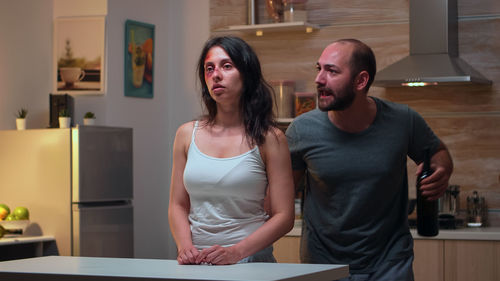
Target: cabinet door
[
  {"x": 287, "y": 249},
  {"x": 103, "y": 231},
  {"x": 472, "y": 260},
  {"x": 428, "y": 264}
]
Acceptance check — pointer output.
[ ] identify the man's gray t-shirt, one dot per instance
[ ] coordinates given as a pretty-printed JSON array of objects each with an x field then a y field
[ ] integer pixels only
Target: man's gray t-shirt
[{"x": 356, "y": 196}]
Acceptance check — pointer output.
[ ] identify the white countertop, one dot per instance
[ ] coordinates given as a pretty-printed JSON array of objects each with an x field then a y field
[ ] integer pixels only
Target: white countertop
[
  {"x": 63, "y": 268},
  {"x": 466, "y": 233}
]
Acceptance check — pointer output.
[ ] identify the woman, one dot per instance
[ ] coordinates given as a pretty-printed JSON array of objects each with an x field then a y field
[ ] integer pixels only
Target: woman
[{"x": 225, "y": 163}]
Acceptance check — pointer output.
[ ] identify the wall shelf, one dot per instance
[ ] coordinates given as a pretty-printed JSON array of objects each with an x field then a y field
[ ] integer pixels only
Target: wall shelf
[
  {"x": 260, "y": 29},
  {"x": 20, "y": 247}
]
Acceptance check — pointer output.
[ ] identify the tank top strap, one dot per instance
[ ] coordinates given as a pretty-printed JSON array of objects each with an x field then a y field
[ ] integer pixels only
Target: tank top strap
[{"x": 194, "y": 130}]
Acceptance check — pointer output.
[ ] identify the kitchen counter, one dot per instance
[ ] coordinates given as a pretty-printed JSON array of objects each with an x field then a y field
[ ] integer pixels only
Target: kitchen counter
[
  {"x": 62, "y": 268},
  {"x": 16, "y": 240},
  {"x": 466, "y": 233}
]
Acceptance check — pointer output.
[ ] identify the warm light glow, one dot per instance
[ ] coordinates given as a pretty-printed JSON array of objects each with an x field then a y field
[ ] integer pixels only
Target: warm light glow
[
  {"x": 259, "y": 33},
  {"x": 419, "y": 84},
  {"x": 75, "y": 163},
  {"x": 309, "y": 29}
]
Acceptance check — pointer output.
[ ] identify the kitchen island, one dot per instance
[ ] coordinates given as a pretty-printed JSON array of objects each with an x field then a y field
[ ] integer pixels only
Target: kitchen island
[{"x": 64, "y": 268}]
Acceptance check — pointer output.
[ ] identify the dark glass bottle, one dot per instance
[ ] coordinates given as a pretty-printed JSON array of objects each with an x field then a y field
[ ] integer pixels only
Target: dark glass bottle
[{"x": 427, "y": 211}]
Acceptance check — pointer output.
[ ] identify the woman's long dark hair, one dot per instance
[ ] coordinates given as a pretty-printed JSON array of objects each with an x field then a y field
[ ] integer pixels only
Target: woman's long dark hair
[{"x": 256, "y": 100}]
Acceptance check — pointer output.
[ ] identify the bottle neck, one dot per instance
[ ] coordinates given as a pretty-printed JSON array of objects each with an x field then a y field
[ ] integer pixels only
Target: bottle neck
[{"x": 427, "y": 160}]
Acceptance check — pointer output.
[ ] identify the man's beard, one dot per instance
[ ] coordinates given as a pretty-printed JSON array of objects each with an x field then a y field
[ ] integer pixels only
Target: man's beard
[{"x": 342, "y": 99}]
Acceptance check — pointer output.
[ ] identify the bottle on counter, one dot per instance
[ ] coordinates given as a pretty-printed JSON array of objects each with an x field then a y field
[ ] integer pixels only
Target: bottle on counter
[
  {"x": 427, "y": 211},
  {"x": 475, "y": 210}
]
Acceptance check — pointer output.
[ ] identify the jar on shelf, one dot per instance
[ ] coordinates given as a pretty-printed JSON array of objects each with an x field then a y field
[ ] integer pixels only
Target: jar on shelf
[
  {"x": 304, "y": 102},
  {"x": 284, "y": 98},
  {"x": 294, "y": 10},
  {"x": 275, "y": 9}
]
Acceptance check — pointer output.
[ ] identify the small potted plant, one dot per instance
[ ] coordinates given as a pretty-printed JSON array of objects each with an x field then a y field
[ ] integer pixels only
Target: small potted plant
[
  {"x": 21, "y": 118},
  {"x": 89, "y": 119},
  {"x": 64, "y": 119}
]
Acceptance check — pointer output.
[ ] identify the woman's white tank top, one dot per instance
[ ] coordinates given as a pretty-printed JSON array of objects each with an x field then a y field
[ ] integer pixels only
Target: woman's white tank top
[{"x": 226, "y": 195}]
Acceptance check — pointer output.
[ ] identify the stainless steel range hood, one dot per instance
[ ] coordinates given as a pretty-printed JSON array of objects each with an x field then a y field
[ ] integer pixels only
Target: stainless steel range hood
[{"x": 433, "y": 58}]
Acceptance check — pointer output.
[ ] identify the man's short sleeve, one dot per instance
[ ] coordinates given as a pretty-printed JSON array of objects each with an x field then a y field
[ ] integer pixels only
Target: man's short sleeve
[
  {"x": 422, "y": 137},
  {"x": 294, "y": 144}
]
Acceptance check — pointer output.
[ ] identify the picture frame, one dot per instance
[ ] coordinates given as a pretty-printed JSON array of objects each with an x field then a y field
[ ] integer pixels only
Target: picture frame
[
  {"x": 139, "y": 59},
  {"x": 79, "y": 55}
]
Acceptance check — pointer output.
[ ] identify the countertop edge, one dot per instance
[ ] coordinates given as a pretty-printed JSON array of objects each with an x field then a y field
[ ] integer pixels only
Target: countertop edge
[
  {"x": 13, "y": 240},
  {"x": 484, "y": 233},
  {"x": 469, "y": 233}
]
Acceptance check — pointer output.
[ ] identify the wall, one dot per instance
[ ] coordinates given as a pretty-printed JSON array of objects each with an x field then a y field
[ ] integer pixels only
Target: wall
[
  {"x": 465, "y": 117},
  {"x": 178, "y": 43},
  {"x": 25, "y": 61},
  {"x": 25, "y": 75}
]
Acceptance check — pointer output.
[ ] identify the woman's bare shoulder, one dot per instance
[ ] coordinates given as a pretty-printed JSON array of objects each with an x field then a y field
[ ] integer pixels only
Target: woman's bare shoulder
[
  {"x": 188, "y": 126},
  {"x": 275, "y": 136},
  {"x": 185, "y": 130},
  {"x": 275, "y": 140}
]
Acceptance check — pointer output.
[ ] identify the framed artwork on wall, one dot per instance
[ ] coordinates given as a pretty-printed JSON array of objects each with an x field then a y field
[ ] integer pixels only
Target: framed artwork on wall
[
  {"x": 79, "y": 49},
  {"x": 139, "y": 59}
]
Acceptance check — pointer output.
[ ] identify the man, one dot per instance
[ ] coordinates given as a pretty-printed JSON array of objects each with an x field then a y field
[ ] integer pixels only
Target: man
[{"x": 353, "y": 153}]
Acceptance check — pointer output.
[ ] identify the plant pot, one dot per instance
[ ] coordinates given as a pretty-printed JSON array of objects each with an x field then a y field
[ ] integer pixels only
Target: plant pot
[
  {"x": 64, "y": 122},
  {"x": 21, "y": 123},
  {"x": 88, "y": 121}
]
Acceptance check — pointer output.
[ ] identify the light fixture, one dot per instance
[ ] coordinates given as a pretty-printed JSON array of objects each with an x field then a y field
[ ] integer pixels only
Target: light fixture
[{"x": 419, "y": 84}]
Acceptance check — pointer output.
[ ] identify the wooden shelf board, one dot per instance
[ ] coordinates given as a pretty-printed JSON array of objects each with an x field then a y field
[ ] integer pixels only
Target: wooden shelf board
[{"x": 272, "y": 27}]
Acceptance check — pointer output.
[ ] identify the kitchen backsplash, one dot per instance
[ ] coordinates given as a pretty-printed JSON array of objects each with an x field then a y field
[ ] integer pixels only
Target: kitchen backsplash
[{"x": 466, "y": 118}]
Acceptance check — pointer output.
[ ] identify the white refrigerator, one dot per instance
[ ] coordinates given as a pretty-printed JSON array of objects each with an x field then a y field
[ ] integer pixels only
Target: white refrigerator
[{"x": 77, "y": 184}]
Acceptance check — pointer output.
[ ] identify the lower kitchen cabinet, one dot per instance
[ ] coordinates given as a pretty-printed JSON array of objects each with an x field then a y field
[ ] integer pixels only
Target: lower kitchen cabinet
[
  {"x": 429, "y": 260},
  {"x": 287, "y": 249},
  {"x": 435, "y": 259},
  {"x": 471, "y": 260},
  {"x": 456, "y": 260}
]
